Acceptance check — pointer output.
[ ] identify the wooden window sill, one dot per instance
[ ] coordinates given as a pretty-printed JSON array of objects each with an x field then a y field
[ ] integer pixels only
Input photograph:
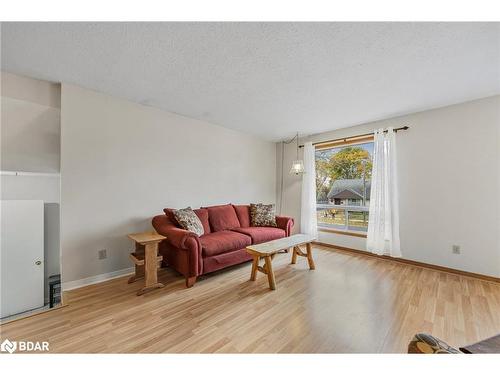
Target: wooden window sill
[{"x": 344, "y": 232}]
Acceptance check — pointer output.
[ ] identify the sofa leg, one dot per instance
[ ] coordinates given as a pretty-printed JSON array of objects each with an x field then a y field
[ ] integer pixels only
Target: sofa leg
[{"x": 190, "y": 281}]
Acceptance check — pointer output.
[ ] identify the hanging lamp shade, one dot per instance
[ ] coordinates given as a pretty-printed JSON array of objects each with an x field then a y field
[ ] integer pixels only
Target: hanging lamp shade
[{"x": 297, "y": 165}]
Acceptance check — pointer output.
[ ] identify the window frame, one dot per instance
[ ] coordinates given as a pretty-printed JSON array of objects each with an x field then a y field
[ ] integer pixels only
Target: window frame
[{"x": 349, "y": 141}]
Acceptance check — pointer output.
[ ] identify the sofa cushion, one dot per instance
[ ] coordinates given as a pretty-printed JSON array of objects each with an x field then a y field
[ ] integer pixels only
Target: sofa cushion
[
  {"x": 222, "y": 217},
  {"x": 217, "y": 262},
  {"x": 188, "y": 220},
  {"x": 202, "y": 214},
  {"x": 243, "y": 213},
  {"x": 223, "y": 241},
  {"x": 261, "y": 234},
  {"x": 262, "y": 215}
]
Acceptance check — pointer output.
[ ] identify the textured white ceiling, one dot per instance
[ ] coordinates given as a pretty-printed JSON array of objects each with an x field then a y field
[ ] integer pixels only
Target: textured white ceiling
[{"x": 269, "y": 79}]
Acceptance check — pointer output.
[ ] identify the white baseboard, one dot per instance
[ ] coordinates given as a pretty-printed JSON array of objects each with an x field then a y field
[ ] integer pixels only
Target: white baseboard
[{"x": 69, "y": 285}]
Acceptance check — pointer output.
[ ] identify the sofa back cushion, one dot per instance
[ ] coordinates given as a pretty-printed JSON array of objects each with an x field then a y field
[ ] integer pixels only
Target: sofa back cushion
[
  {"x": 222, "y": 217},
  {"x": 243, "y": 213},
  {"x": 202, "y": 214},
  {"x": 170, "y": 214}
]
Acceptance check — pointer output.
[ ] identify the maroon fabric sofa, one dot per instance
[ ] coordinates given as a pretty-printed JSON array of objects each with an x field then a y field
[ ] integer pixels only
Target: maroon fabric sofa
[{"x": 227, "y": 234}]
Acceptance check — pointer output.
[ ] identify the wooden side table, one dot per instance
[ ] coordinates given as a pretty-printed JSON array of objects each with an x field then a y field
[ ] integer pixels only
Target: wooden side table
[{"x": 146, "y": 260}]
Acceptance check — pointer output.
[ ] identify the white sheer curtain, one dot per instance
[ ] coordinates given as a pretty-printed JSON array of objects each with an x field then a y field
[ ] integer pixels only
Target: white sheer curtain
[
  {"x": 383, "y": 222},
  {"x": 308, "y": 219}
]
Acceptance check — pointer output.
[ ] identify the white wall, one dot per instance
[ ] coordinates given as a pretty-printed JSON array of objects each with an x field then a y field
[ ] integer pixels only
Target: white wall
[
  {"x": 449, "y": 178},
  {"x": 30, "y": 124},
  {"x": 27, "y": 187},
  {"x": 122, "y": 163}
]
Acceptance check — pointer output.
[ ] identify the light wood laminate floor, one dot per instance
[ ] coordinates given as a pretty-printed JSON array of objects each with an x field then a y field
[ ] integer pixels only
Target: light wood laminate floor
[{"x": 350, "y": 303}]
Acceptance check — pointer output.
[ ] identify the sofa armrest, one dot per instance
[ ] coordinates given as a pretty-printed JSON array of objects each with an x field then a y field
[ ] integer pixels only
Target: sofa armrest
[
  {"x": 178, "y": 237},
  {"x": 180, "y": 240},
  {"x": 285, "y": 223}
]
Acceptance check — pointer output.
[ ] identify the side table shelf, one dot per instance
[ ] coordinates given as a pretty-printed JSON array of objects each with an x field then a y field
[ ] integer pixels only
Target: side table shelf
[{"x": 138, "y": 259}]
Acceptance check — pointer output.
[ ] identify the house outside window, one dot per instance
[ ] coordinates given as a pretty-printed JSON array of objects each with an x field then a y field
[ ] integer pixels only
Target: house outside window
[{"x": 343, "y": 185}]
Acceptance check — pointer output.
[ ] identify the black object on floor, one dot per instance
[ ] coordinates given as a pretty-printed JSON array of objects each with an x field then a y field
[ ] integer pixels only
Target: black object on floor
[{"x": 54, "y": 290}]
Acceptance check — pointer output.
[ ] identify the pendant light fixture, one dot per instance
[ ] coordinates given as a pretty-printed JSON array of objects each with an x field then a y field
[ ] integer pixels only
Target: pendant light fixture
[{"x": 297, "y": 165}]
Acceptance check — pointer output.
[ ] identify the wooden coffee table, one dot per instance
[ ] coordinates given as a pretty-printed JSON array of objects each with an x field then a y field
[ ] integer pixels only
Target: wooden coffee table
[{"x": 267, "y": 250}]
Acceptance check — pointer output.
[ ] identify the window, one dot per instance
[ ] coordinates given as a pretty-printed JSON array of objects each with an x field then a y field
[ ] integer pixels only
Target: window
[{"x": 343, "y": 184}]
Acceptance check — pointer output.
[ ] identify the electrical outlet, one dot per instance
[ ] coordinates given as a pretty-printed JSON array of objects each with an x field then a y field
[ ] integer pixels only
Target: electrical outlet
[
  {"x": 455, "y": 249},
  {"x": 101, "y": 254}
]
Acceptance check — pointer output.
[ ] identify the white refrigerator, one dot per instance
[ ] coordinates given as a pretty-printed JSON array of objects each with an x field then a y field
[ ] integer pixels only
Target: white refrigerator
[{"x": 21, "y": 256}]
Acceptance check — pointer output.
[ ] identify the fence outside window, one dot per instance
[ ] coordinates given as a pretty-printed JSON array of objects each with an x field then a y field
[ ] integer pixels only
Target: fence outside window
[{"x": 343, "y": 216}]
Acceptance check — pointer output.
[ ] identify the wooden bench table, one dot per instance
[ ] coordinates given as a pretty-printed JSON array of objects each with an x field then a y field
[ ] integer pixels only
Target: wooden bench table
[{"x": 267, "y": 250}]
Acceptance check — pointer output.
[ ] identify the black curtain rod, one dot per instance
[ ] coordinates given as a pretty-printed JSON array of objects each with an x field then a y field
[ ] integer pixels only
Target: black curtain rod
[{"x": 345, "y": 139}]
